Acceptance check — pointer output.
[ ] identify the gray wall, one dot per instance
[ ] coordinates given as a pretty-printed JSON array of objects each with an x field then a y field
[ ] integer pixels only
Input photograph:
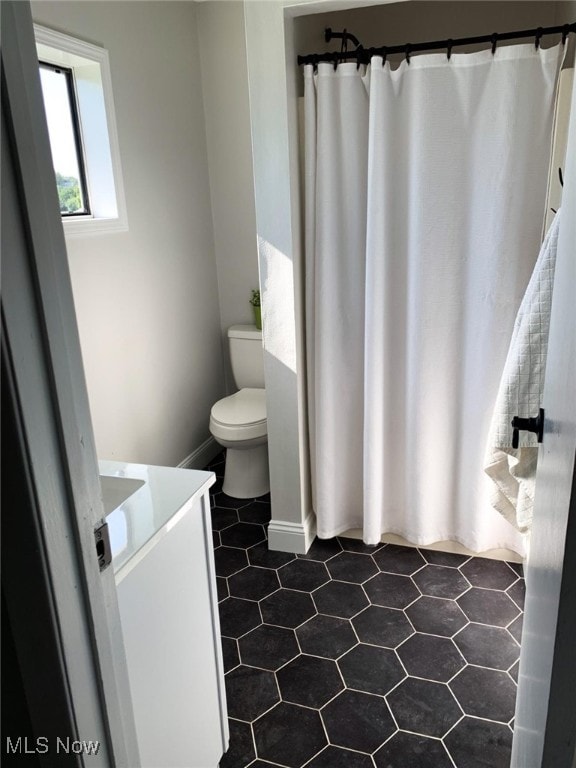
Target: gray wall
[
  {"x": 422, "y": 20},
  {"x": 414, "y": 22},
  {"x": 222, "y": 43},
  {"x": 147, "y": 300},
  {"x": 276, "y": 181}
]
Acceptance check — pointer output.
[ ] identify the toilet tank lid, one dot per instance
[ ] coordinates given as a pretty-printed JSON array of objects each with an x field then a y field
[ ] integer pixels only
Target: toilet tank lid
[{"x": 244, "y": 332}]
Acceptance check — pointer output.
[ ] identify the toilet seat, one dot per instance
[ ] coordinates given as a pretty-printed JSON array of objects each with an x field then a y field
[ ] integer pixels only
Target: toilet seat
[{"x": 241, "y": 416}]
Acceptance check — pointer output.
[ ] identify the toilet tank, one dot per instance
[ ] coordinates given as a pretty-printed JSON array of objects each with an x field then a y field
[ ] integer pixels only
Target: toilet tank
[{"x": 246, "y": 356}]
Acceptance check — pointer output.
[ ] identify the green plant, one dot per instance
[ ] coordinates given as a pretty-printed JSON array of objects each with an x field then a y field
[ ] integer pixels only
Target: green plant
[
  {"x": 68, "y": 193},
  {"x": 255, "y": 299}
]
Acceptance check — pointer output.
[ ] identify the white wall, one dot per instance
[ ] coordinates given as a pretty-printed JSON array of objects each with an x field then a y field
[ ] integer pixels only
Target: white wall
[
  {"x": 147, "y": 300},
  {"x": 222, "y": 45}
]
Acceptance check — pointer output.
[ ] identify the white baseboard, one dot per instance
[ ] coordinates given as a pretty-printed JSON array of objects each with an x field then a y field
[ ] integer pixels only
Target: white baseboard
[
  {"x": 202, "y": 456},
  {"x": 292, "y": 537}
]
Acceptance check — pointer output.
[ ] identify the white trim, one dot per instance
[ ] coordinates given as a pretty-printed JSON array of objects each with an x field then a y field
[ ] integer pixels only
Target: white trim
[
  {"x": 74, "y": 228},
  {"x": 202, "y": 456},
  {"x": 47, "y": 36},
  {"x": 74, "y": 53},
  {"x": 284, "y": 536}
]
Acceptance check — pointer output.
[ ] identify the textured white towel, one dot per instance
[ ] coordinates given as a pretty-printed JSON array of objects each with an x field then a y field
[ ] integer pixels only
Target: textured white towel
[{"x": 513, "y": 471}]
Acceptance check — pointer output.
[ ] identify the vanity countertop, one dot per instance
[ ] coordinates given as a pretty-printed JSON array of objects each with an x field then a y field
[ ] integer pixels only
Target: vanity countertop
[{"x": 149, "y": 506}]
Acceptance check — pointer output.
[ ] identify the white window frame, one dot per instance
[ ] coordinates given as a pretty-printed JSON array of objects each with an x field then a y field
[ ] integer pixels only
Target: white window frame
[{"x": 99, "y": 137}]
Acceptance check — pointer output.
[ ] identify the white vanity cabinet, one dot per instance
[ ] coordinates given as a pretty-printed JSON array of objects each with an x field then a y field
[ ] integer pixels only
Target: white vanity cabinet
[{"x": 163, "y": 562}]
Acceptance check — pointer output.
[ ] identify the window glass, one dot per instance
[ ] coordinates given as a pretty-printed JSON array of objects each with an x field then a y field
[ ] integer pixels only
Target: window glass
[
  {"x": 79, "y": 105},
  {"x": 63, "y": 131}
]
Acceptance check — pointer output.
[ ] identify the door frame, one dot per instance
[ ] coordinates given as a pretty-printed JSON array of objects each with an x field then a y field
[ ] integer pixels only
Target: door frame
[
  {"x": 63, "y": 612},
  {"x": 545, "y": 720}
]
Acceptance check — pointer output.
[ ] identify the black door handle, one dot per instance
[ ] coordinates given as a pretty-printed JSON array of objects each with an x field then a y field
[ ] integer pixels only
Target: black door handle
[{"x": 533, "y": 424}]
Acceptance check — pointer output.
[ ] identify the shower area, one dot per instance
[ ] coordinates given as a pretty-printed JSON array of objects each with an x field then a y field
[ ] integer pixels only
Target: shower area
[
  {"x": 426, "y": 192},
  {"x": 427, "y": 179}
]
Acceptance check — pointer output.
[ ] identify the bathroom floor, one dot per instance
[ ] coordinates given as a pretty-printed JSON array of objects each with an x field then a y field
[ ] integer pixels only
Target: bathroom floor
[{"x": 362, "y": 657}]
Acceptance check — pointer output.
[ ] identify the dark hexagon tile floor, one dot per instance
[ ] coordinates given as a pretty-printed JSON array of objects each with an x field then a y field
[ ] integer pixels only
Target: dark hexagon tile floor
[
  {"x": 326, "y": 636},
  {"x": 355, "y": 568},
  {"x": 309, "y": 681},
  {"x": 362, "y": 657},
  {"x": 305, "y": 575}
]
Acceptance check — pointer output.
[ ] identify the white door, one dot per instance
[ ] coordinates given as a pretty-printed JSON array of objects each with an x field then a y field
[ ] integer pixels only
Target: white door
[
  {"x": 62, "y": 611},
  {"x": 545, "y": 727}
]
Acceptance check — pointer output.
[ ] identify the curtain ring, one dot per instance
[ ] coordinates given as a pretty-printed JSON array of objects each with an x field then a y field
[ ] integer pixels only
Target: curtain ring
[
  {"x": 335, "y": 60},
  {"x": 539, "y": 33},
  {"x": 359, "y": 51},
  {"x": 408, "y": 51},
  {"x": 565, "y": 33},
  {"x": 384, "y": 55},
  {"x": 449, "y": 45},
  {"x": 494, "y": 39}
]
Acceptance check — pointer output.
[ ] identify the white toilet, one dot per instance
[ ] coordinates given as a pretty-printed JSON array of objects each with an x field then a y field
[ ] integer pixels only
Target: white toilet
[{"x": 238, "y": 422}]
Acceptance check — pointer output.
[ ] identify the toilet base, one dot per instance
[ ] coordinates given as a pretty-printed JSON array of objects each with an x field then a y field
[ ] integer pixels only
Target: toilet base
[{"x": 246, "y": 474}]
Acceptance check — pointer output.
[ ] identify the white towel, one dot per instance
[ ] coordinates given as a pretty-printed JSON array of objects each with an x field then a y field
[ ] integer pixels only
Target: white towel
[{"x": 513, "y": 471}]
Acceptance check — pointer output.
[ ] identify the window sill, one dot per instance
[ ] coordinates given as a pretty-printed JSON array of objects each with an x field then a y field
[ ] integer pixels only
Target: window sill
[{"x": 83, "y": 227}]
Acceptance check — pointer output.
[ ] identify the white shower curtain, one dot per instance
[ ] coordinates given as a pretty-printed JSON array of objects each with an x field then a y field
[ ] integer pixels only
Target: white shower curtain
[{"x": 425, "y": 194}]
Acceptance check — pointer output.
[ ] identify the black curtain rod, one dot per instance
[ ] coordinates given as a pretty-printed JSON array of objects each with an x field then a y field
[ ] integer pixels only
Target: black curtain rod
[{"x": 363, "y": 55}]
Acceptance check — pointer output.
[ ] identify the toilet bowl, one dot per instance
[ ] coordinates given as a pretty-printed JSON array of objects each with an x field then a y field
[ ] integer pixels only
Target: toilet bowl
[{"x": 238, "y": 422}]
